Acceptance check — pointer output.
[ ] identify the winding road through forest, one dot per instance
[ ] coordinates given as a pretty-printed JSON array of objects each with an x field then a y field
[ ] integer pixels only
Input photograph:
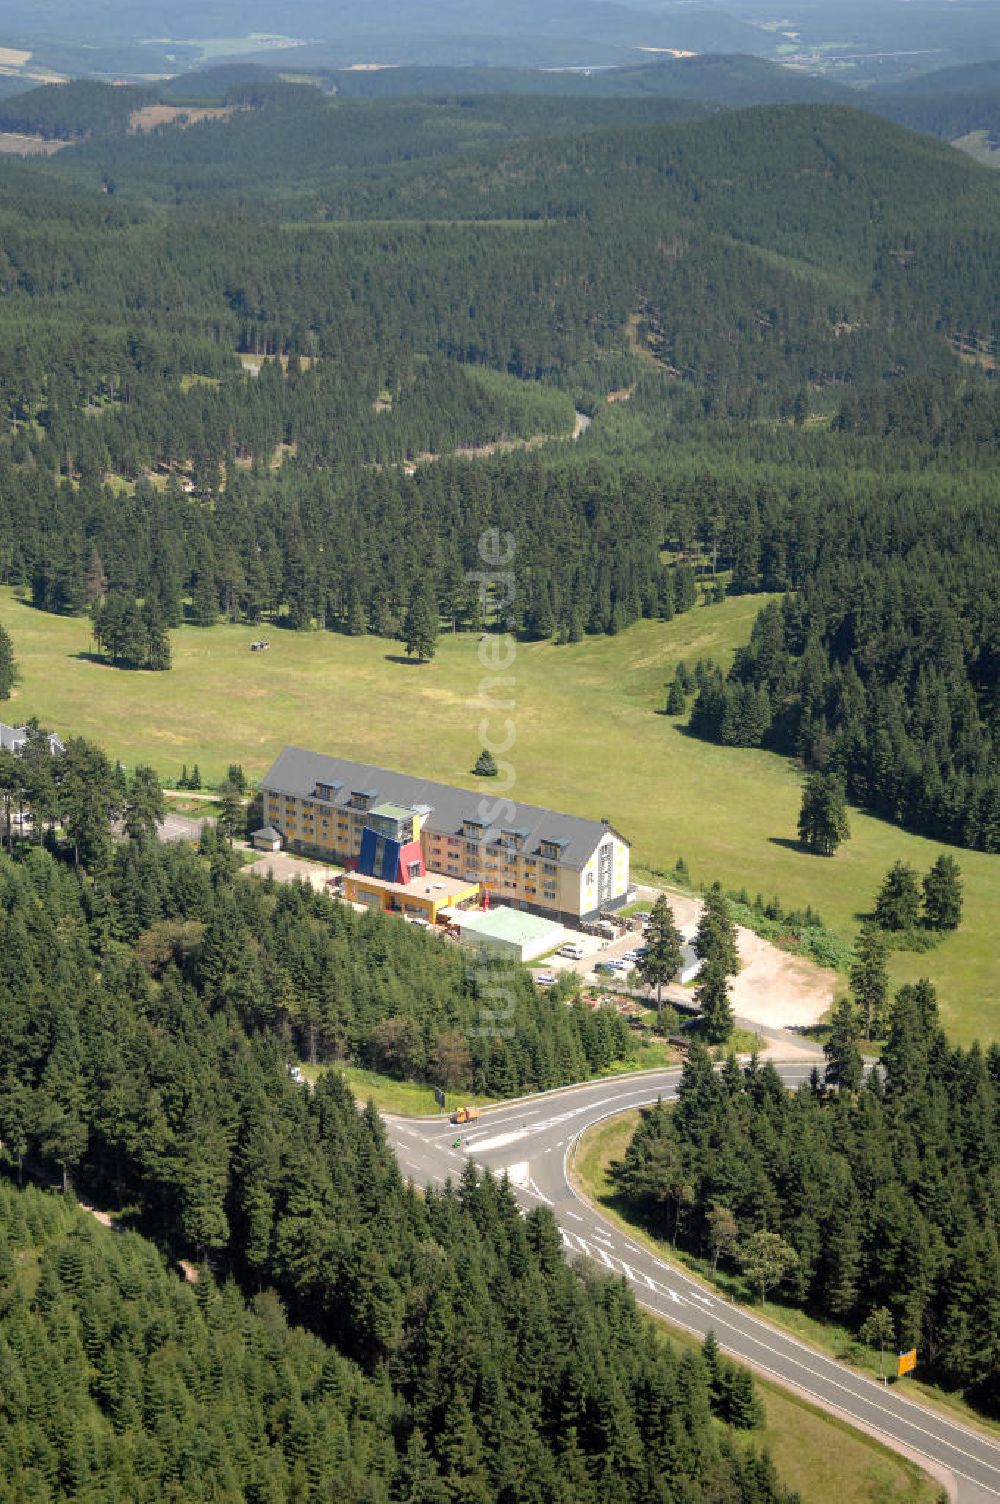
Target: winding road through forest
[{"x": 534, "y": 1140}]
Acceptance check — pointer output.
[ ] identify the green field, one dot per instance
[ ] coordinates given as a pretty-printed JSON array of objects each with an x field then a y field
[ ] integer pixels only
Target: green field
[{"x": 587, "y": 740}]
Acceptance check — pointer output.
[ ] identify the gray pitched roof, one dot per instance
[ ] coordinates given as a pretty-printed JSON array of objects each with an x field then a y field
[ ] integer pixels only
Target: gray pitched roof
[
  {"x": 298, "y": 771},
  {"x": 13, "y": 739}
]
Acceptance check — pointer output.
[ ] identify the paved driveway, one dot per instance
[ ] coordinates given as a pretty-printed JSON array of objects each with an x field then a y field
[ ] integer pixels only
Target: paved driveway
[{"x": 285, "y": 868}]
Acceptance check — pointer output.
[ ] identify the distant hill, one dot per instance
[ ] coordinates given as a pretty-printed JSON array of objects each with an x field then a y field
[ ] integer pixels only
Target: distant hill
[
  {"x": 732, "y": 80},
  {"x": 951, "y": 103},
  {"x": 77, "y": 109},
  {"x": 972, "y": 78}
]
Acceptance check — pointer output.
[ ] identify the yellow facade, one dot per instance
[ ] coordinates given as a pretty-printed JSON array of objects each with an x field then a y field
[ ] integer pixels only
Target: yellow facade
[
  {"x": 513, "y": 876},
  {"x": 422, "y": 898}
]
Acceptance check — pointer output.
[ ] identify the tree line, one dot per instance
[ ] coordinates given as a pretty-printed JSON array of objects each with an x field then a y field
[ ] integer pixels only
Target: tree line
[
  {"x": 150, "y": 1001},
  {"x": 864, "y": 1194}
]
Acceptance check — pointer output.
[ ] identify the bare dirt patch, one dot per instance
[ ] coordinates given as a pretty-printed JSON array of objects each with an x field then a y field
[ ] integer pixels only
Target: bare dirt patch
[
  {"x": 975, "y": 352},
  {"x": 13, "y": 144},
  {"x": 152, "y": 115},
  {"x": 774, "y": 988},
  {"x": 252, "y": 362}
]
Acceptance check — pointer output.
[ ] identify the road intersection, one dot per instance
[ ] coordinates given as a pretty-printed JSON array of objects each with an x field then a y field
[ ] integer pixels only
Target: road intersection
[{"x": 534, "y": 1141}]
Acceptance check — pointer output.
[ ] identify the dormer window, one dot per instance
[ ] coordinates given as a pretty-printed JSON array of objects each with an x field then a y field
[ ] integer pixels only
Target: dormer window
[{"x": 362, "y": 799}]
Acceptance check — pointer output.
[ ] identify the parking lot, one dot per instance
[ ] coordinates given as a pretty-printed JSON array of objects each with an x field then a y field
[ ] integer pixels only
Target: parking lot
[{"x": 597, "y": 950}]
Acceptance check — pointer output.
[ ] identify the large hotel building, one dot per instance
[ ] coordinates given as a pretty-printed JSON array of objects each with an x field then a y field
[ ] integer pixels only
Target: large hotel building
[{"x": 416, "y": 846}]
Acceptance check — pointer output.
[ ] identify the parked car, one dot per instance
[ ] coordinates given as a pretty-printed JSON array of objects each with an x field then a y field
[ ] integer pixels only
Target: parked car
[
  {"x": 544, "y": 978},
  {"x": 606, "y": 968},
  {"x": 573, "y": 951}
]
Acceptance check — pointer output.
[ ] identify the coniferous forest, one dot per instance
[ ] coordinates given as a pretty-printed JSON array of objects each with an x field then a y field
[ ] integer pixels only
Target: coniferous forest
[
  {"x": 286, "y": 365},
  {"x": 220, "y": 381},
  {"x": 885, "y": 1197},
  {"x": 397, "y": 1345}
]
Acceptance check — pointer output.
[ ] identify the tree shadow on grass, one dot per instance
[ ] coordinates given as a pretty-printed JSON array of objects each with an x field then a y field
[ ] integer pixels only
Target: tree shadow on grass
[
  {"x": 98, "y": 658},
  {"x": 788, "y": 844},
  {"x": 401, "y": 658}
]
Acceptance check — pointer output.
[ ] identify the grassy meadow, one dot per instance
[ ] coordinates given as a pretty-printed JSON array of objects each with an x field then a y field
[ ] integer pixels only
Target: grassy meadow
[{"x": 587, "y": 740}]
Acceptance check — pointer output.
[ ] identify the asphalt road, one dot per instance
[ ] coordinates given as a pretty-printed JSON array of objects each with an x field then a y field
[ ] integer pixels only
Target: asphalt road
[{"x": 534, "y": 1141}]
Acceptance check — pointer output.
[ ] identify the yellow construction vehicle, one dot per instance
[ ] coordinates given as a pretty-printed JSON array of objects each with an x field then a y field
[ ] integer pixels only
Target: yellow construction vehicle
[{"x": 465, "y": 1115}]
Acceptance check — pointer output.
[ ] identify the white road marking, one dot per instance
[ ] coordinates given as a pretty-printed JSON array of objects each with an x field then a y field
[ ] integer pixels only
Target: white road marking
[
  {"x": 498, "y": 1141},
  {"x": 533, "y": 1190}
]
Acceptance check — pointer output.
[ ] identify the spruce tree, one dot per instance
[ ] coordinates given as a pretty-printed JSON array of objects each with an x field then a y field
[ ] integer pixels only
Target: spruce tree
[
  {"x": 898, "y": 903},
  {"x": 676, "y": 698},
  {"x": 8, "y": 667},
  {"x": 870, "y": 979},
  {"x": 712, "y": 997},
  {"x": 942, "y": 892},
  {"x": 663, "y": 957},
  {"x": 144, "y": 806},
  {"x": 420, "y": 630},
  {"x": 823, "y": 823},
  {"x": 844, "y": 1065}
]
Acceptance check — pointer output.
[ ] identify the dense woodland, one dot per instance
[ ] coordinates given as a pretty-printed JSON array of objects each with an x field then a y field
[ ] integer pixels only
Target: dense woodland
[
  {"x": 799, "y": 301},
  {"x": 887, "y": 1196},
  {"x": 149, "y": 1001}
]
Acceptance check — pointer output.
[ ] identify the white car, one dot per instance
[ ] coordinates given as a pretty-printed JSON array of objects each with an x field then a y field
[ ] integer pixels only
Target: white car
[
  {"x": 544, "y": 979},
  {"x": 573, "y": 952}
]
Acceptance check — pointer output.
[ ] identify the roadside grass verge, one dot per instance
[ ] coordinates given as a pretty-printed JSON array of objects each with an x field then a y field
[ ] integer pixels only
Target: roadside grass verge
[
  {"x": 608, "y": 1141},
  {"x": 590, "y": 741},
  {"x": 407, "y": 1098},
  {"x": 822, "y": 1457},
  {"x": 416, "y": 1098}
]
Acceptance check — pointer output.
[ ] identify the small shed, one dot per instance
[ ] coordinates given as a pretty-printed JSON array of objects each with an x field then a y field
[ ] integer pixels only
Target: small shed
[
  {"x": 266, "y": 839},
  {"x": 507, "y": 932}
]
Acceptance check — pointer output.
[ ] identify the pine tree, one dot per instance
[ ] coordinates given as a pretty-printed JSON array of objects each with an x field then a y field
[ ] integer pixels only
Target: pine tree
[
  {"x": 486, "y": 765},
  {"x": 898, "y": 903},
  {"x": 712, "y": 997},
  {"x": 870, "y": 979},
  {"x": 823, "y": 823},
  {"x": 844, "y": 1065},
  {"x": 715, "y": 940},
  {"x": 942, "y": 885},
  {"x": 8, "y": 667},
  {"x": 144, "y": 806},
  {"x": 664, "y": 954},
  {"x": 420, "y": 629},
  {"x": 676, "y": 698}
]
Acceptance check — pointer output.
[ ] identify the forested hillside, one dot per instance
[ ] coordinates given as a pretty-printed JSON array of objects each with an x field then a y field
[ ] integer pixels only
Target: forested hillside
[
  {"x": 149, "y": 999},
  {"x": 794, "y": 308},
  {"x": 886, "y": 1197}
]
